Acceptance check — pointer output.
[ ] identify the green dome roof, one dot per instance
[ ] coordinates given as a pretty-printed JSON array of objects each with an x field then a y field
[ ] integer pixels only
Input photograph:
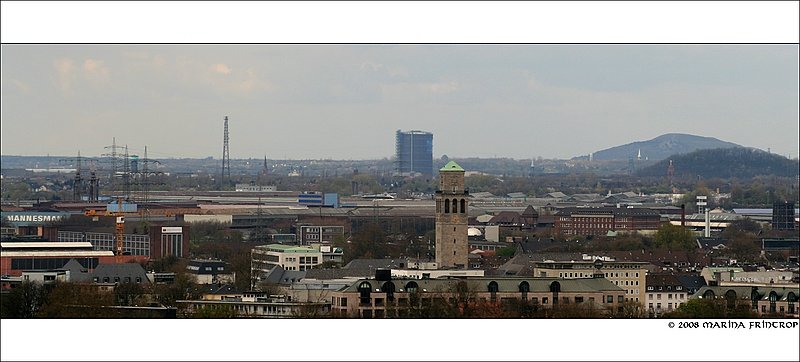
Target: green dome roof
[{"x": 451, "y": 166}]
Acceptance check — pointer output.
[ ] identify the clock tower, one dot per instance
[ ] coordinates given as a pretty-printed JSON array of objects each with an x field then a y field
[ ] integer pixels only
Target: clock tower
[{"x": 451, "y": 218}]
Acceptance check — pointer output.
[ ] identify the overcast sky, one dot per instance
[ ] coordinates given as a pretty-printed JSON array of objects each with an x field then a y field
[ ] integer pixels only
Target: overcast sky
[{"x": 346, "y": 101}]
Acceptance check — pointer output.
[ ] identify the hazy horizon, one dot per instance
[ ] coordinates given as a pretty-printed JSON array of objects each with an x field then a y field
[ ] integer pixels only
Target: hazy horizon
[{"x": 345, "y": 102}]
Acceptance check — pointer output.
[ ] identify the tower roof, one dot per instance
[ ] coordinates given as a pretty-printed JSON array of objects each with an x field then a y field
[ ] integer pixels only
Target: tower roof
[{"x": 451, "y": 166}]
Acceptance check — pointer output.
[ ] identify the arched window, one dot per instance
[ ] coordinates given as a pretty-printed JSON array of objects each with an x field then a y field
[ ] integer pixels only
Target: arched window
[
  {"x": 792, "y": 299},
  {"x": 524, "y": 288},
  {"x": 555, "y": 288},
  {"x": 730, "y": 299},
  {"x": 754, "y": 297},
  {"x": 412, "y": 287},
  {"x": 446, "y": 206},
  {"x": 709, "y": 294},
  {"x": 463, "y": 206},
  {"x": 364, "y": 289},
  {"x": 455, "y": 206},
  {"x": 493, "y": 290},
  {"x": 773, "y": 297},
  {"x": 388, "y": 288}
]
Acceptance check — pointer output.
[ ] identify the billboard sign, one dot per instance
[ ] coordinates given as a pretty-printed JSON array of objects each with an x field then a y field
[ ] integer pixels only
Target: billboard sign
[{"x": 171, "y": 229}]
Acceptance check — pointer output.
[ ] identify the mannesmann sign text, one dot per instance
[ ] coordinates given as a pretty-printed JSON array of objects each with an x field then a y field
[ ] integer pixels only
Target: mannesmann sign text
[{"x": 34, "y": 218}]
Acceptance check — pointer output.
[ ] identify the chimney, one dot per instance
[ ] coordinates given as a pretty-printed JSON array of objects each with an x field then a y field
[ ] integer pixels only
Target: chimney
[{"x": 683, "y": 215}]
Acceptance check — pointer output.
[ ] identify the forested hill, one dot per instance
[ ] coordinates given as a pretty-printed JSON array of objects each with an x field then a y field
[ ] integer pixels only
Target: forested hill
[
  {"x": 725, "y": 163},
  {"x": 662, "y": 147}
]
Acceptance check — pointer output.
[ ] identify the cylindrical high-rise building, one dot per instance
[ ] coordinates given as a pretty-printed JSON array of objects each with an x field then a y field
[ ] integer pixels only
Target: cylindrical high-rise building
[{"x": 414, "y": 152}]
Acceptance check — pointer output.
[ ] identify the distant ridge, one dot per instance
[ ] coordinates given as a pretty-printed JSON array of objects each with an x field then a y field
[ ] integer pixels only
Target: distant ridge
[
  {"x": 725, "y": 163},
  {"x": 661, "y": 147}
]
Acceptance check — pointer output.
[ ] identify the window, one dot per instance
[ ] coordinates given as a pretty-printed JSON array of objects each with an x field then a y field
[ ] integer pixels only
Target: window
[
  {"x": 343, "y": 302},
  {"x": 493, "y": 288},
  {"x": 578, "y": 299},
  {"x": 669, "y": 296},
  {"x": 610, "y": 299},
  {"x": 544, "y": 300},
  {"x": 658, "y": 296}
]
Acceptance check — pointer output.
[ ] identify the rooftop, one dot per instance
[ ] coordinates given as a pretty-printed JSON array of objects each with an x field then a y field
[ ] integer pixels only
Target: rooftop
[{"x": 451, "y": 166}]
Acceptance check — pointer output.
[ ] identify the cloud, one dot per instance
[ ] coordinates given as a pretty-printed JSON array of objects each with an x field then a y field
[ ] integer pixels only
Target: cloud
[
  {"x": 95, "y": 71},
  {"x": 221, "y": 68},
  {"x": 16, "y": 86},
  {"x": 442, "y": 87},
  {"x": 371, "y": 66},
  {"x": 65, "y": 70}
]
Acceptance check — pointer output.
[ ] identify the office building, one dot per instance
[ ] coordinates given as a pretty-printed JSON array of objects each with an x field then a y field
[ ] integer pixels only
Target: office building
[{"x": 414, "y": 152}]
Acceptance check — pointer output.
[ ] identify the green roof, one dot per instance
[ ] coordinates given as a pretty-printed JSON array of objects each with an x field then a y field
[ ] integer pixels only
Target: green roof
[{"x": 451, "y": 166}]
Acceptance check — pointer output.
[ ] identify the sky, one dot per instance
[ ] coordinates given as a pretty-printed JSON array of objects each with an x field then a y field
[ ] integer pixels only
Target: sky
[
  {"x": 530, "y": 97},
  {"x": 345, "y": 101}
]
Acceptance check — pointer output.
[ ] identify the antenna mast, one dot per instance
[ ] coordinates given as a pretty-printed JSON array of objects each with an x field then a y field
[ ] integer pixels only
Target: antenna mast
[{"x": 226, "y": 155}]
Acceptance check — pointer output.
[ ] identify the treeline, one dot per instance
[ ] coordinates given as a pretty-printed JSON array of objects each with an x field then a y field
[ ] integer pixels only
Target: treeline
[
  {"x": 75, "y": 300},
  {"x": 725, "y": 163}
]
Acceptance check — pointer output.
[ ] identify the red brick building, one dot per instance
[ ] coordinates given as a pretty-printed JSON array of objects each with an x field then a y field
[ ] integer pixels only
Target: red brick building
[{"x": 601, "y": 220}]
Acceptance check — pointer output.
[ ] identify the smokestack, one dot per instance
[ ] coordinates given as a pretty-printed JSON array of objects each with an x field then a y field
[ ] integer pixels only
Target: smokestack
[
  {"x": 683, "y": 215},
  {"x": 708, "y": 224}
]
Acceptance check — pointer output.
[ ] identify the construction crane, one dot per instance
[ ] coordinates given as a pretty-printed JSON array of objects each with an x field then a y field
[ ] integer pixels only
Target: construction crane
[{"x": 119, "y": 227}]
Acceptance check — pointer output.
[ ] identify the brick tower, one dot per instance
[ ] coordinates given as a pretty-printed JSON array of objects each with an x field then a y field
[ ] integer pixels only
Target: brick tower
[{"x": 451, "y": 218}]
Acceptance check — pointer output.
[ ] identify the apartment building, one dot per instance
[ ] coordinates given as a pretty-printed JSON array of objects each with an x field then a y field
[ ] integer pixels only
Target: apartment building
[
  {"x": 289, "y": 257},
  {"x": 628, "y": 275},
  {"x": 664, "y": 294},
  {"x": 373, "y": 298}
]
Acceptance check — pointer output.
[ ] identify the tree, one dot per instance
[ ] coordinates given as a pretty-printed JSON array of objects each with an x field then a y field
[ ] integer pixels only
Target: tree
[
  {"x": 698, "y": 308},
  {"x": 507, "y": 251},
  {"x": 71, "y": 300},
  {"x": 674, "y": 237},
  {"x": 630, "y": 309},
  {"x": 24, "y": 301},
  {"x": 128, "y": 294},
  {"x": 370, "y": 242}
]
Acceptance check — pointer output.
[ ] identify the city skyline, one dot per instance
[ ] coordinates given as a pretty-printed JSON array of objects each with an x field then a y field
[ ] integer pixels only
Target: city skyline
[{"x": 346, "y": 101}]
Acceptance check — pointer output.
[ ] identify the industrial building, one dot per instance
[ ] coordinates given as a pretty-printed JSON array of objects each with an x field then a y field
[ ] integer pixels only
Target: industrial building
[
  {"x": 16, "y": 257},
  {"x": 601, "y": 220}
]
